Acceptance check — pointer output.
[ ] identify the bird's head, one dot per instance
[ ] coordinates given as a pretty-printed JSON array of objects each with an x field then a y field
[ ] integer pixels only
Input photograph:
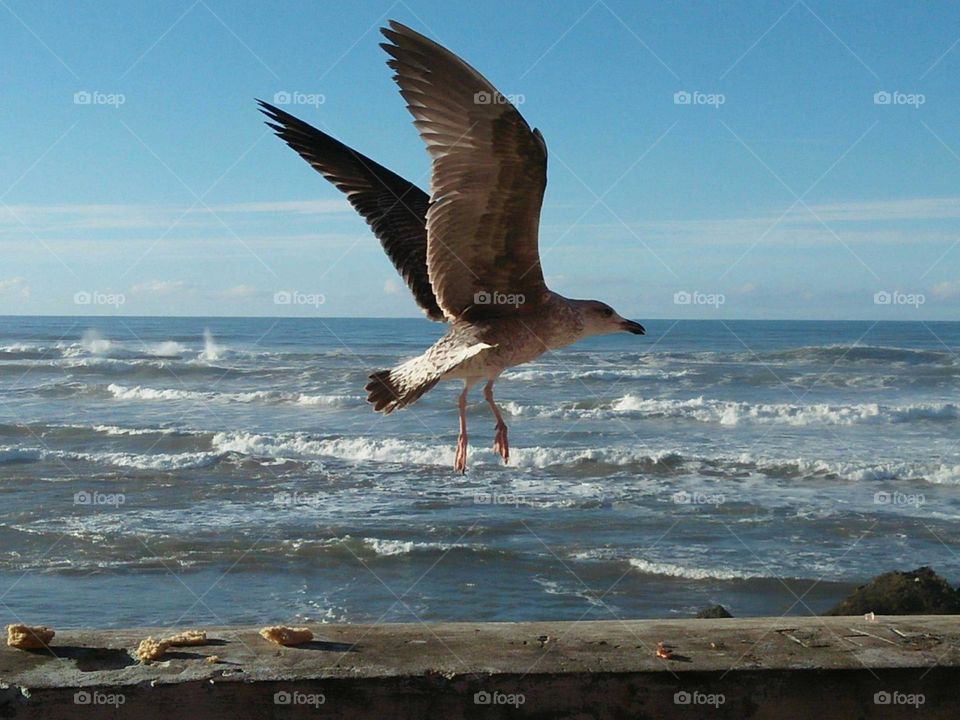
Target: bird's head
[{"x": 598, "y": 318}]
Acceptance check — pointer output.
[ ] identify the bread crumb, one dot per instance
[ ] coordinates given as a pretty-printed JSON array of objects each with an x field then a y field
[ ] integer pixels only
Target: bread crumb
[
  {"x": 213, "y": 659},
  {"x": 187, "y": 638},
  {"x": 151, "y": 649},
  {"x": 27, "y": 637},
  {"x": 282, "y": 635}
]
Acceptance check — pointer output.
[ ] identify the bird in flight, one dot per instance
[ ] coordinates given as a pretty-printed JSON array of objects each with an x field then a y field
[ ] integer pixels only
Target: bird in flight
[{"x": 468, "y": 249}]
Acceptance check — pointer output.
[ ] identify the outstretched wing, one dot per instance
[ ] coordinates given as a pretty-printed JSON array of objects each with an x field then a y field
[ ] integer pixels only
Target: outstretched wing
[
  {"x": 393, "y": 207},
  {"x": 487, "y": 185}
]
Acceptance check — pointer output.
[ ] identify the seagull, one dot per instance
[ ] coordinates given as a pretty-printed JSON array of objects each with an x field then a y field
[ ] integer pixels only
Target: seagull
[{"x": 468, "y": 249}]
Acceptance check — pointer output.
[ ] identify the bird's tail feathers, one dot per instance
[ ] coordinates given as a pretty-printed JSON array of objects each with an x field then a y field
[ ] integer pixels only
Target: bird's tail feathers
[{"x": 390, "y": 390}]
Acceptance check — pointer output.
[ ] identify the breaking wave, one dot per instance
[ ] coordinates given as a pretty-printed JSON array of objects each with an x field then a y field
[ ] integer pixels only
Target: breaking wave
[{"x": 729, "y": 412}]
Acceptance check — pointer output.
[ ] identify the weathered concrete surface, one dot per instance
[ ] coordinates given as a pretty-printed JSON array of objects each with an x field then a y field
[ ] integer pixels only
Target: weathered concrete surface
[{"x": 759, "y": 667}]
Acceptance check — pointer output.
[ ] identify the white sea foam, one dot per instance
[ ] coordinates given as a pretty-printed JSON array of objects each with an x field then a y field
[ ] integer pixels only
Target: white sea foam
[
  {"x": 611, "y": 372},
  {"x": 357, "y": 449},
  {"x": 151, "y": 461},
  {"x": 730, "y": 413},
  {"x": 116, "y": 430},
  {"x": 167, "y": 349},
  {"x": 692, "y": 573},
  {"x": 94, "y": 343},
  {"x": 122, "y": 392},
  {"x": 147, "y": 461},
  {"x": 672, "y": 461},
  {"x": 211, "y": 351},
  {"x": 387, "y": 547}
]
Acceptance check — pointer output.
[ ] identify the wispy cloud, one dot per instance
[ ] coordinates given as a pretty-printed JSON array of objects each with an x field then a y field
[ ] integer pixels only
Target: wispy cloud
[
  {"x": 238, "y": 292},
  {"x": 886, "y": 221},
  {"x": 16, "y": 285},
  {"x": 163, "y": 288},
  {"x": 67, "y": 217},
  {"x": 947, "y": 289}
]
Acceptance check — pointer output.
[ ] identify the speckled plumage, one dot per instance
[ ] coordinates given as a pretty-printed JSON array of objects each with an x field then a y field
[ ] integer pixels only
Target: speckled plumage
[{"x": 468, "y": 251}]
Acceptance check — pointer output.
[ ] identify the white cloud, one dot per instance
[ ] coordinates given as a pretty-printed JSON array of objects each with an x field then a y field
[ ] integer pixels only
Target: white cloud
[
  {"x": 16, "y": 285},
  {"x": 237, "y": 293},
  {"x": 391, "y": 287},
  {"x": 65, "y": 217},
  {"x": 299, "y": 207},
  {"x": 162, "y": 287},
  {"x": 947, "y": 289}
]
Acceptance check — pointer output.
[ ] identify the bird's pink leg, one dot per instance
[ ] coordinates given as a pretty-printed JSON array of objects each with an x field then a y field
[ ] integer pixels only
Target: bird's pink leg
[
  {"x": 500, "y": 444},
  {"x": 460, "y": 459}
]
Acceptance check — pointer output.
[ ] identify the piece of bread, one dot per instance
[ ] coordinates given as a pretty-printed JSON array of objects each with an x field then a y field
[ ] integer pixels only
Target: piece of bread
[
  {"x": 187, "y": 638},
  {"x": 151, "y": 649},
  {"x": 27, "y": 637},
  {"x": 282, "y": 635}
]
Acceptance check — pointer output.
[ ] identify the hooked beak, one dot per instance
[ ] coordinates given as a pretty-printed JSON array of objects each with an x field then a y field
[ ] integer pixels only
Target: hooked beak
[{"x": 633, "y": 327}]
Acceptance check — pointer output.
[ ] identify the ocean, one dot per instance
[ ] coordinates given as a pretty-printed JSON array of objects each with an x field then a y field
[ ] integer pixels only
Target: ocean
[{"x": 190, "y": 471}]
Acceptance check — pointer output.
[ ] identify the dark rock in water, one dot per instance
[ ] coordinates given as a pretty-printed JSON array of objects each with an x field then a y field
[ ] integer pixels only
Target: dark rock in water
[
  {"x": 714, "y": 611},
  {"x": 918, "y": 592}
]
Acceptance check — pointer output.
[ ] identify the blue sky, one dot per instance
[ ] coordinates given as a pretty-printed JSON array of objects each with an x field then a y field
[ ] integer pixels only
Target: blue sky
[{"x": 136, "y": 176}]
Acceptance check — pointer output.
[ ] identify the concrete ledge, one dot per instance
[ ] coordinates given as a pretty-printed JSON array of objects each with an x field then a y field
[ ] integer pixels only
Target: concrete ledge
[{"x": 733, "y": 668}]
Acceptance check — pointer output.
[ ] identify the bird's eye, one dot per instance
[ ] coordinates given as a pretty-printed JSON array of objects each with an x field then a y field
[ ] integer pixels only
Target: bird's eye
[{"x": 607, "y": 312}]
